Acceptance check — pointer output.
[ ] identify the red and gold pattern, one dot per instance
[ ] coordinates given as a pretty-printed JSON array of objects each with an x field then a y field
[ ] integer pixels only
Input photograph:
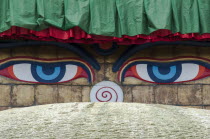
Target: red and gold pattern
[
  {"x": 129, "y": 69},
  {"x": 7, "y": 67}
]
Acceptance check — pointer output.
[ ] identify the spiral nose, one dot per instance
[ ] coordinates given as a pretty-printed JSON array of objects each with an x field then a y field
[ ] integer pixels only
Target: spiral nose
[{"x": 106, "y": 91}]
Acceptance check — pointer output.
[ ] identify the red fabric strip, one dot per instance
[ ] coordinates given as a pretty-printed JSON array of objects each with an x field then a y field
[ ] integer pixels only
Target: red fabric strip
[{"x": 77, "y": 35}]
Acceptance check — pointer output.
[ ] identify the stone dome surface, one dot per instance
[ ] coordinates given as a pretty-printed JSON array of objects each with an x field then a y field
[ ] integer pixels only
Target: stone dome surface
[{"x": 105, "y": 120}]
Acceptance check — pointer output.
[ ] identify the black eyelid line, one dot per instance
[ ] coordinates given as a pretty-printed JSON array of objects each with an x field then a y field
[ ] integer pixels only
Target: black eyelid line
[
  {"x": 86, "y": 68},
  {"x": 133, "y": 49},
  {"x": 72, "y": 47},
  {"x": 11, "y": 62},
  {"x": 202, "y": 63},
  {"x": 199, "y": 62}
]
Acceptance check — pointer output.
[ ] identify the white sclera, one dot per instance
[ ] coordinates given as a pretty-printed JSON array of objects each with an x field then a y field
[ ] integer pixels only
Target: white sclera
[
  {"x": 71, "y": 71},
  {"x": 142, "y": 72},
  {"x": 189, "y": 72},
  {"x": 23, "y": 72}
]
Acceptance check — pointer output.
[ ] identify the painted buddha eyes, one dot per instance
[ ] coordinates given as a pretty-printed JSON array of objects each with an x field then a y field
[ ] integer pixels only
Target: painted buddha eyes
[
  {"x": 166, "y": 72},
  {"x": 157, "y": 71},
  {"x": 45, "y": 71}
]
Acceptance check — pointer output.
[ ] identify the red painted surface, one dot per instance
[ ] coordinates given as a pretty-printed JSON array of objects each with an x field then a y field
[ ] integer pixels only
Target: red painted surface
[
  {"x": 81, "y": 73},
  {"x": 131, "y": 72},
  {"x": 77, "y": 35}
]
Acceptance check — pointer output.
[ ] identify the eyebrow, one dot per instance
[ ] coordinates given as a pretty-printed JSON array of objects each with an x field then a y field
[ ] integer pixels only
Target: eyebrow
[
  {"x": 71, "y": 47},
  {"x": 133, "y": 49}
]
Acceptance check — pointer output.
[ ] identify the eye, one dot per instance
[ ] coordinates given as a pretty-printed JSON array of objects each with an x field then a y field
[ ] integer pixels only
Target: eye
[
  {"x": 175, "y": 72},
  {"x": 46, "y": 72}
]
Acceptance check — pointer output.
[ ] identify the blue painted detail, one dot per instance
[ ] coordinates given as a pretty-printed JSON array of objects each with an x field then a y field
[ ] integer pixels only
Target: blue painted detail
[
  {"x": 48, "y": 69},
  {"x": 48, "y": 73},
  {"x": 166, "y": 68},
  {"x": 44, "y": 76},
  {"x": 68, "y": 46},
  {"x": 164, "y": 73},
  {"x": 133, "y": 49},
  {"x": 167, "y": 76}
]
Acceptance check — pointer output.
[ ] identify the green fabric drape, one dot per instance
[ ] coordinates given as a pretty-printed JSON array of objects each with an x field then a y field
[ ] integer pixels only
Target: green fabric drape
[{"x": 108, "y": 17}]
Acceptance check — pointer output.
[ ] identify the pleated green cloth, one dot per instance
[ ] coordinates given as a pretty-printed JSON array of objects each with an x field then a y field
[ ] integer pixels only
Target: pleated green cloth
[{"x": 108, "y": 17}]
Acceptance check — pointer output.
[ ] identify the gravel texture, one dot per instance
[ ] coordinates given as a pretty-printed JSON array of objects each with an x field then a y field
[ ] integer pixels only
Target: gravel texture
[{"x": 106, "y": 121}]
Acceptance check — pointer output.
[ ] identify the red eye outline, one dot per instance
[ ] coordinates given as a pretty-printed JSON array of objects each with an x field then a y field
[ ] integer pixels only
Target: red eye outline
[
  {"x": 129, "y": 68},
  {"x": 6, "y": 67}
]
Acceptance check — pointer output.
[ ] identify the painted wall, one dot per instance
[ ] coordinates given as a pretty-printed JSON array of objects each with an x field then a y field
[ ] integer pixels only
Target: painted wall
[{"x": 22, "y": 94}]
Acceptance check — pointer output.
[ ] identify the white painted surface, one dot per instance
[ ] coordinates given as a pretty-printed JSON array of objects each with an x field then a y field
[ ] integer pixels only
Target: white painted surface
[
  {"x": 142, "y": 72},
  {"x": 71, "y": 71},
  {"x": 106, "y": 91},
  {"x": 23, "y": 72},
  {"x": 189, "y": 72}
]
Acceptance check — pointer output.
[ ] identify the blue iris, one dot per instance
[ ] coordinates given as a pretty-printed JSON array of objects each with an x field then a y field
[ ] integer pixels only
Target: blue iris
[
  {"x": 167, "y": 76},
  {"x": 48, "y": 73},
  {"x": 41, "y": 74},
  {"x": 164, "y": 74}
]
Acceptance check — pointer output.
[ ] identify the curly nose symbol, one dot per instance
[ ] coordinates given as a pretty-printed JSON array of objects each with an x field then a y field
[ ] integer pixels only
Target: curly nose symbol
[{"x": 106, "y": 91}]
